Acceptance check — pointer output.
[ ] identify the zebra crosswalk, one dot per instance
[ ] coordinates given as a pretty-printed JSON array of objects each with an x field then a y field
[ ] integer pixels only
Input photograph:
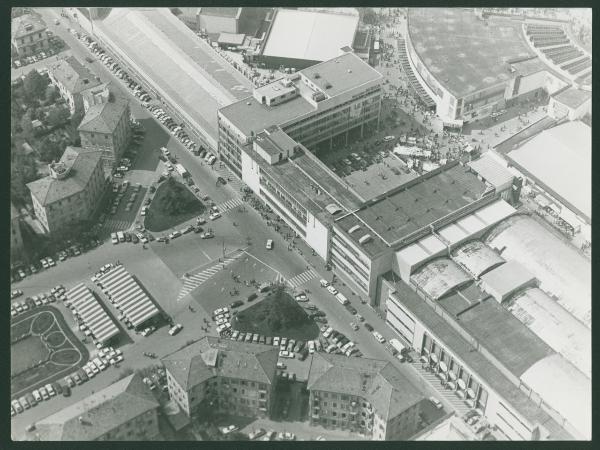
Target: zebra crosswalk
[
  {"x": 447, "y": 394},
  {"x": 302, "y": 278},
  {"x": 232, "y": 180},
  {"x": 230, "y": 204},
  {"x": 194, "y": 281},
  {"x": 112, "y": 225}
]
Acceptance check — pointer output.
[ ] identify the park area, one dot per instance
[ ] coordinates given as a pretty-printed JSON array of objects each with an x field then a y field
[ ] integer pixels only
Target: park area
[
  {"x": 172, "y": 205},
  {"x": 278, "y": 314},
  {"x": 43, "y": 349}
]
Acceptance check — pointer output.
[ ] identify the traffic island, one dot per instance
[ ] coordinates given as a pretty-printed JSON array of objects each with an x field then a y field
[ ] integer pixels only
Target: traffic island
[{"x": 172, "y": 205}]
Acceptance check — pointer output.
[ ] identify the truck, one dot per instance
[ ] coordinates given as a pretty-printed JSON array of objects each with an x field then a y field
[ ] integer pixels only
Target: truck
[
  {"x": 121, "y": 236},
  {"x": 342, "y": 298},
  {"x": 396, "y": 344},
  {"x": 181, "y": 170}
]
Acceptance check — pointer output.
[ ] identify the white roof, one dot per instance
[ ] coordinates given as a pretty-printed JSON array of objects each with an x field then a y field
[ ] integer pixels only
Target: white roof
[
  {"x": 555, "y": 326},
  {"x": 439, "y": 277},
  {"x": 492, "y": 171},
  {"x": 476, "y": 257},
  {"x": 310, "y": 35},
  {"x": 91, "y": 313},
  {"x": 560, "y": 158},
  {"x": 563, "y": 388}
]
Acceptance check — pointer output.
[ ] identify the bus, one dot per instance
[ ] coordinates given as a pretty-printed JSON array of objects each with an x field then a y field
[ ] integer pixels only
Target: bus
[{"x": 181, "y": 170}]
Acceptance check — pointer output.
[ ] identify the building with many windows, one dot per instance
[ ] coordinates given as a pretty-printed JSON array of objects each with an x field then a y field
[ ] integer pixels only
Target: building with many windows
[
  {"x": 72, "y": 190},
  {"x": 223, "y": 375},
  {"x": 106, "y": 127},
  {"x": 72, "y": 78},
  {"x": 367, "y": 396},
  {"x": 28, "y": 35},
  {"x": 124, "y": 411}
]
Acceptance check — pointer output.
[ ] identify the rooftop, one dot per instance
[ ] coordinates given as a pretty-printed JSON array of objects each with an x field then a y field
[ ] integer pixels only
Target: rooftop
[
  {"x": 476, "y": 257},
  {"x": 506, "y": 279},
  {"x": 73, "y": 75},
  {"x": 82, "y": 164},
  {"x": 104, "y": 117},
  {"x": 572, "y": 97},
  {"x": 414, "y": 205},
  {"x": 341, "y": 74},
  {"x": 220, "y": 11},
  {"x": 530, "y": 66},
  {"x": 475, "y": 359},
  {"x": 231, "y": 38},
  {"x": 439, "y": 277},
  {"x": 210, "y": 357},
  {"x": 491, "y": 171},
  {"x": 309, "y": 35},
  {"x": 379, "y": 382},
  {"x": 25, "y": 25},
  {"x": 99, "y": 413},
  {"x": 465, "y": 53},
  {"x": 559, "y": 159}
]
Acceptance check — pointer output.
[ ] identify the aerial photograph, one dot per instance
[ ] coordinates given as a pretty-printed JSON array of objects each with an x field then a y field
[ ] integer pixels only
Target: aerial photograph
[{"x": 300, "y": 224}]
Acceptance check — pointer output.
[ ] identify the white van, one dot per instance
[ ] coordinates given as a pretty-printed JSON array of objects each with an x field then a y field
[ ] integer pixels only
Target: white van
[
  {"x": 389, "y": 138},
  {"x": 341, "y": 298},
  {"x": 398, "y": 346},
  {"x": 121, "y": 236}
]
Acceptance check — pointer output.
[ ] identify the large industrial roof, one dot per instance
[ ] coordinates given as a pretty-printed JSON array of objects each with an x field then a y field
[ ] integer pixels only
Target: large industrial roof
[
  {"x": 181, "y": 67},
  {"x": 562, "y": 271},
  {"x": 475, "y": 360},
  {"x": 476, "y": 258},
  {"x": 463, "y": 52},
  {"x": 565, "y": 389},
  {"x": 560, "y": 159},
  {"x": 439, "y": 277},
  {"x": 555, "y": 326},
  {"x": 491, "y": 171},
  {"x": 572, "y": 97},
  {"x": 506, "y": 279},
  {"x": 310, "y": 35}
]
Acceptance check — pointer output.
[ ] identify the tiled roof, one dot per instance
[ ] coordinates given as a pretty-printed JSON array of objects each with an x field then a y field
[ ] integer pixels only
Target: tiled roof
[
  {"x": 104, "y": 117},
  {"x": 19, "y": 24},
  {"x": 99, "y": 413},
  {"x": 379, "y": 382},
  {"x": 81, "y": 163},
  {"x": 74, "y": 76},
  {"x": 211, "y": 357}
]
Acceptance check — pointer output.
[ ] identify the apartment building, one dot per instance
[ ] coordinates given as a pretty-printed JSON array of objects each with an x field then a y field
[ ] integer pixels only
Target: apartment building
[
  {"x": 72, "y": 78},
  {"x": 222, "y": 375},
  {"x": 124, "y": 411},
  {"x": 106, "y": 127},
  {"x": 362, "y": 395},
  {"x": 72, "y": 190},
  {"x": 28, "y": 35}
]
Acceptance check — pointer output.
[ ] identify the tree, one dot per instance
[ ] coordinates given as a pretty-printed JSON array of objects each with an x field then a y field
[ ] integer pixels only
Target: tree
[
  {"x": 58, "y": 116},
  {"x": 369, "y": 17},
  {"x": 35, "y": 85},
  {"x": 50, "y": 150},
  {"x": 51, "y": 94}
]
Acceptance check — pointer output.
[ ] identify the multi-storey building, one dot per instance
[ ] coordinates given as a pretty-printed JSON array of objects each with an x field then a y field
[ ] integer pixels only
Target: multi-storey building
[
  {"x": 124, "y": 411},
  {"x": 223, "y": 375},
  {"x": 72, "y": 190},
  {"x": 72, "y": 78},
  {"x": 28, "y": 35},
  {"x": 106, "y": 127},
  {"x": 16, "y": 239},
  {"x": 367, "y": 396}
]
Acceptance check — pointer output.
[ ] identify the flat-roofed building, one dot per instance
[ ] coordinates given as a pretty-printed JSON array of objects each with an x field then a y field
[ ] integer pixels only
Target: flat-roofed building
[
  {"x": 124, "y": 411},
  {"x": 302, "y": 38},
  {"x": 571, "y": 102},
  {"x": 72, "y": 190},
  {"x": 28, "y": 35},
  {"x": 72, "y": 78},
  {"x": 106, "y": 127},
  {"x": 223, "y": 375},
  {"x": 363, "y": 395}
]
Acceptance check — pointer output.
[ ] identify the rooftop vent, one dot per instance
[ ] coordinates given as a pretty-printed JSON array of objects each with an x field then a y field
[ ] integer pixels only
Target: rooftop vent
[
  {"x": 317, "y": 75},
  {"x": 349, "y": 70},
  {"x": 327, "y": 85},
  {"x": 354, "y": 228},
  {"x": 248, "y": 103},
  {"x": 366, "y": 238},
  {"x": 28, "y": 27}
]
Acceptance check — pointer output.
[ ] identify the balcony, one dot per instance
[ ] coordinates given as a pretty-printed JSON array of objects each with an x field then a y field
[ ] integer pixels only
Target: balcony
[{"x": 315, "y": 416}]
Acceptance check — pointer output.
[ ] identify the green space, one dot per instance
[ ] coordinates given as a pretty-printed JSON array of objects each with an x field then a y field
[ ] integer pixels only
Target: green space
[
  {"x": 172, "y": 205},
  {"x": 43, "y": 349},
  {"x": 278, "y": 314}
]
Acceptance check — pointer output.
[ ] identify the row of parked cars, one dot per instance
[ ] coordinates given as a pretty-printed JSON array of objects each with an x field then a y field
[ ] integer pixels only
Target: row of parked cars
[
  {"x": 56, "y": 293},
  {"x": 174, "y": 128},
  {"x": 37, "y": 396},
  {"x": 337, "y": 342}
]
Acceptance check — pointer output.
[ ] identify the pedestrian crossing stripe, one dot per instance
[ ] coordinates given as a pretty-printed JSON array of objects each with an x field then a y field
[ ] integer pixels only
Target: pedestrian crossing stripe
[
  {"x": 194, "y": 281},
  {"x": 302, "y": 278},
  {"x": 112, "y": 225},
  {"x": 230, "y": 204}
]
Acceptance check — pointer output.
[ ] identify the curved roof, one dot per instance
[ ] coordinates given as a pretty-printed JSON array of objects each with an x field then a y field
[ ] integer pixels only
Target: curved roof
[
  {"x": 555, "y": 326},
  {"x": 439, "y": 277},
  {"x": 476, "y": 258},
  {"x": 563, "y": 388}
]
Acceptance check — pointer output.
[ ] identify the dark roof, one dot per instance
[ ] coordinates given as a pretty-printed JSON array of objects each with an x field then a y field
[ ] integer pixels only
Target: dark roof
[
  {"x": 474, "y": 359},
  {"x": 379, "y": 382},
  {"x": 572, "y": 97},
  {"x": 220, "y": 11},
  {"x": 99, "y": 413},
  {"x": 210, "y": 357},
  {"x": 82, "y": 164},
  {"x": 74, "y": 76},
  {"x": 20, "y": 25},
  {"x": 104, "y": 117}
]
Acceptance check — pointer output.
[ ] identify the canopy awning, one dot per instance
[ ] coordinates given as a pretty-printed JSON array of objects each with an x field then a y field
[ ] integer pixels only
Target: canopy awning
[
  {"x": 462, "y": 384},
  {"x": 470, "y": 393},
  {"x": 424, "y": 359},
  {"x": 452, "y": 375},
  {"x": 443, "y": 366},
  {"x": 452, "y": 385},
  {"x": 433, "y": 357}
]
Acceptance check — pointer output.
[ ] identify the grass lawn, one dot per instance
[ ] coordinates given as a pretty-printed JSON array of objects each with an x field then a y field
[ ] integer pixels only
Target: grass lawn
[
  {"x": 173, "y": 203},
  {"x": 25, "y": 352},
  {"x": 278, "y": 314}
]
